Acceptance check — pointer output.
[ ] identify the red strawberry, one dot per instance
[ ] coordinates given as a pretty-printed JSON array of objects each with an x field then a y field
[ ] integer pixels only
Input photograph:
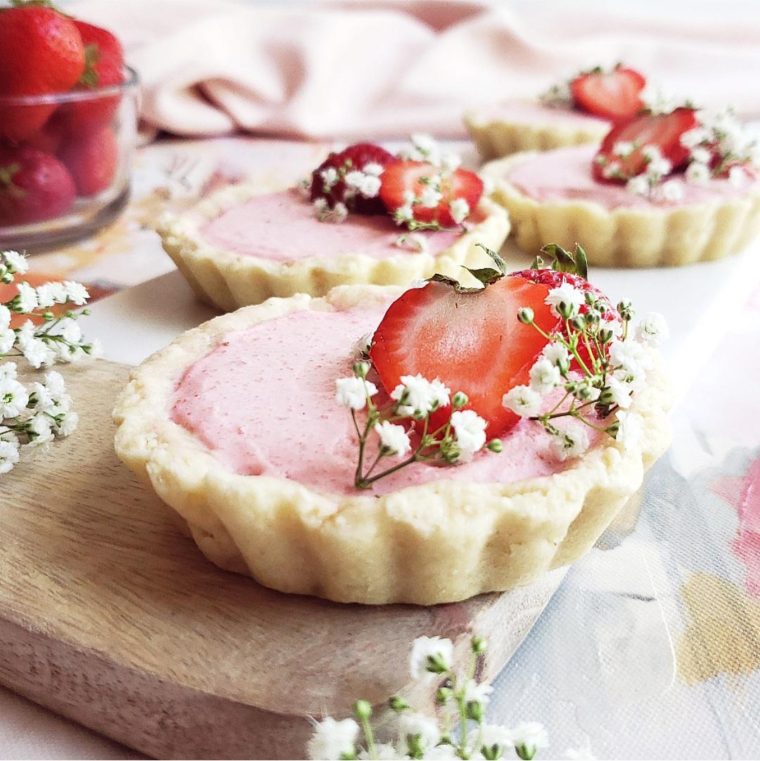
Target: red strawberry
[
  {"x": 48, "y": 138},
  {"x": 328, "y": 179},
  {"x": 104, "y": 67},
  {"x": 41, "y": 52},
  {"x": 405, "y": 180},
  {"x": 660, "y": 130},
  {"x": 554, "y": 279},
  {"x": 92, "y": 159},
  {"x": 472, "y": 342},
  {"x": 614, "y": 95},
  {"x": 34, "y": 186}
]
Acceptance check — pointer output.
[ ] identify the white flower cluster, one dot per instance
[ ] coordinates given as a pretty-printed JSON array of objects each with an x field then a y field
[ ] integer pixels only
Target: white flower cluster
[
  {"x": 460, "y": 699},
  {"x": 34, "y": 414},
  {"x": 413, "y": 242},
  {"x": 31, "y": 415},
  {"x": 325, "y": 213},
  {"x": 593, "y": 366},
  {"x": 658, "y": 101},
  {"x": 357, "y": 181},
  {"x": 424, "y": 147},
  {"x": 414, "y": 399},
  {"x": 720, "y": 146}
]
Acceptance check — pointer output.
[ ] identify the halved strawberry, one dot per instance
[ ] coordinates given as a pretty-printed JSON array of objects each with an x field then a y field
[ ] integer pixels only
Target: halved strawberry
[
  {"x": 614, "y": 95},
  {"x": 471, "y": 341},
  {"x": 421, "y": 194},
  {"x": 660, "y": 130},
  {"x": 328, "y": 180}
]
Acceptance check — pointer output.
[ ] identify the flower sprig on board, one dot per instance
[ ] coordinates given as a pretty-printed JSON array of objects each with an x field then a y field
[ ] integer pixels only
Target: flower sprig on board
[
  {"x": 404, "y": 429},
  {"x": 592, "y": 365},
  {"x": 33, "y": 414},
  {"x": 458, "y": 730}
]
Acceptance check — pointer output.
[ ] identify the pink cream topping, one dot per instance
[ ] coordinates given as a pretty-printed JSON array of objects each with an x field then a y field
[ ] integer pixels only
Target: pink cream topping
[
  {"x": 533, "y": 113},
  {"x": 263, "y": 402},
  {"x": 565, "y": 174},
  {"x": 283, "y": 227}
]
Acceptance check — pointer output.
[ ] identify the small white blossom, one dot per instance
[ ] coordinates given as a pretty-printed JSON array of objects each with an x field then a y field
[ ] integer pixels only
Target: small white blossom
[
  {"x": 671, "y": 191},
  {"x": 630, "y": 427},
  {"x": 656, "y": 100},
  {"x": 431, "y": 196},
  {"x": 565, "y": 297},
  {"x": 651, "y": 153},
  {"x": 373, "y": 169},
  {"x": 737, "y": 176},
  {"x": 393, "y": 438},
  {"x": 617, "y": 392},
  {"x": 530, "y": 735},
  {"x": 36, "y": 352},
  {"x": 653, "y": 329},
  {"x": 611, "y": 170},
  {"x": 557, "y": 354},
  {"x": 495, "y": 734},
  {"x": 694, "y": 137},
  {"x": 459, "y": 209},
  {"x": 477, "y": 692},
  {"x": 569, "y": 444},
  {"x": 9, "y": 456},
  {"x": 40, "y": 430},
  {"x": 353, "y": 392},
  {"x": 523, "y": 401},
  {"x": 470, "y": 431},
  {"x": 383, "y": 752},
  {"x": 658, "y": 168},
  {"x": 76, "y": 292},
  {"x": 428, "y": 652},
  {"x": 15, "y": 262},
  {"x": 13, "y": 398},
  {"x": 413, "y": 242},
  {"x": 329, "y": 177},
  {"x": 70, "y": 330},
  {"x": 419, "y": 395},
  {"x": 623, "y": 148},
  {"x": 27, "y": 298},
  {"x": 544, "y": 375},
  {"x": 8, "y": 370},
  {"x": 5, "y": 317},
  {"x": 7, "y": 339},
  {"x": 629, "y": 356},
  {"x": 418, "y": 725},
  {"x": 638, "y": 185},
  {"x": 333, "y": 739},
  {"x": 52, "y": 293},
  {"x": 701, "y": 155},
  {"x": 697, "y": 173},
  {"x": 68, "y": 424},
  {"x": 55, "y": 383},
  {"x": 368, "y": 185}
]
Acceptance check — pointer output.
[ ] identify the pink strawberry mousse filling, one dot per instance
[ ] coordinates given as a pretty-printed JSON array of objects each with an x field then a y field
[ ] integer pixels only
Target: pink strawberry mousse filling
[
  {"x": 565, "y": 174},
  {"x": 532, "y": 113},
  {"x": 263, "y": 401},
  {"x": 283, "y": 227}
]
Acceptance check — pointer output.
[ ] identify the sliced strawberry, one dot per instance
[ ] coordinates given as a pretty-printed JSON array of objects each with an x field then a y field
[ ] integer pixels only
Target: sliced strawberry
[
  {"x": 473, "y": 342},
  {"x": 328, "y": 180},
  {"x": 34, "y": 186},
  {"x": 660, "y": 130},
  {"x": 407, "y": 183},
  {"x": 614, "y": 95}
]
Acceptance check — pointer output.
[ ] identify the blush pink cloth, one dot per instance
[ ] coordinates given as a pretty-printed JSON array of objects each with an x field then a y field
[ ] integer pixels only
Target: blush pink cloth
[{"x": 348, "y": 69}]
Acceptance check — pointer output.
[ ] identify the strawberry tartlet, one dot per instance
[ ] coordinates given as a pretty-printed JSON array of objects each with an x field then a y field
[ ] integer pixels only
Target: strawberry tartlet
[
  {"x": 302, "y": 444},
  {"x": 580, "y": 110},
  {"x": 365, "y": 216},
  {"x": 662, "y": 190}
]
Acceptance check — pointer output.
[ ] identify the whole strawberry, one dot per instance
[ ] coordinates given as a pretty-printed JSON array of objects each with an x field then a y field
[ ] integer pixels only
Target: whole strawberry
[
  {"x": 104, "y": 66},
  {"x": 34, "y": 186},
  {"x": 41, "y": 52},
  {"x": 352, "y": 177},
  {"x": 92, "y": 158}
]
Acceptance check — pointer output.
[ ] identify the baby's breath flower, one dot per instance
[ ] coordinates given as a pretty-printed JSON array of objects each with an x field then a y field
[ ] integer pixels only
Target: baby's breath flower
[
  {"x": 477, "y": 692},
  {"x": 76, "y": 292},
  {"x": 329, "y": 177},
  {"x": 39, "y": 429},
  {"x": 417, "y": 732},
  {"x": 393, "y": 438},
  {"x": 628, "y": 428},
  {"x": 26, "y": 299},
  {"x": 5, "y": 317},
  {"x": 383, "y": 752},
  {"x": 7, "y": 340},
  {"x": 413, "y": 242},
  {"x": 333, "y": 739},
  {"x": 417, "y": 396},
  {"x": 52, "y": 293},
  {"x": 494, "y": 735},
  {"x": 569, "y": 444},
  {"x": 671, "y": 191},
  {"x": 14, "y": 262},
  {"x": 470, "y": 431},
  {"x": 623, "y": 149},
  {"x": 544, "y": 376},
  {"x": 13, "y": 398},
  {"x": 523, "y": 401},
  {"x": 459, "y": 209},
  {"x": 697, "y": 173},
  {"x": 694, "y": 137},
  {"x": 617, "y": 393},
  {"x": 700, "y": 155},
  {"x": 653, "y": 329},
  {"x": 430, "y": 655},
  {"x": 638, "y": 185},
  {"x": 9, "y": 456},
  {"x": 557, "y": 354},
  {"x": 353, "y": 392},
  {"x": 430, "y": 196},
  {"x": 528, "y": 737},
  {"x": 628, "y": 356},
  {"x": 737, "y": 176},
  {"x": 565, "y": 300}
]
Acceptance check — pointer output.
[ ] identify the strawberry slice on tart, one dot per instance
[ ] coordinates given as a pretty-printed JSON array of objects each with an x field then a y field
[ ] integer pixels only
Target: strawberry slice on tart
[
  {"x": 614, "y": 95},
  {"x": 469, "y": 339},
  {"x": 627, "y": 149},
  {"x": 422, "y": 195}
]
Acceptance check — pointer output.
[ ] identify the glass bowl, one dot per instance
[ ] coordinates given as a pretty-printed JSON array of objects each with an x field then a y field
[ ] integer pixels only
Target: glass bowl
[{"x": 65, "y": 161}]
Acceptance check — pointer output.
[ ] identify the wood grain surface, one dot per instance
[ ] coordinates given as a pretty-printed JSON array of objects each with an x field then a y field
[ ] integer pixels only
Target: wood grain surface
[{"x": 113, "y": 618}]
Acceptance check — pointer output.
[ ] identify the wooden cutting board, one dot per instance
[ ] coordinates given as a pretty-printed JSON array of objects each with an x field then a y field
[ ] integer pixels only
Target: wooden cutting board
[{"x": 111, "y": 617}]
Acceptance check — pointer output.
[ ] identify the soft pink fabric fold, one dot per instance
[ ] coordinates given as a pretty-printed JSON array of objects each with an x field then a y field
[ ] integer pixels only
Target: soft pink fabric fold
[{"x": 348, "y": 69}]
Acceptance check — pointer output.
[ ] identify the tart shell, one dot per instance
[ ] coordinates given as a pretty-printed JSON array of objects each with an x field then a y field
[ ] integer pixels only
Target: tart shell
[
  {"x": 496, "y": 137},
  {"x": 433, "y": 543},
  {"x": 229, "y": 280},
  {"x": 665, "y": 236}
]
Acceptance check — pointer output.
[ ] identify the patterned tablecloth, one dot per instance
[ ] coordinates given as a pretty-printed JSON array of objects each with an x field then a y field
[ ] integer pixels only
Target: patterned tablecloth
[{"x": 651, "y": 648}]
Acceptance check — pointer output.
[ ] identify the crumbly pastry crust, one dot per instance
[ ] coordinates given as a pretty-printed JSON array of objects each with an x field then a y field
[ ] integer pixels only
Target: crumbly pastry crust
[
  {"x": 228, "y": 280},
  {"x": 665, "y": 236},
  {"x": 427, "y": 544},
  {"x": 497, "y": 137}
]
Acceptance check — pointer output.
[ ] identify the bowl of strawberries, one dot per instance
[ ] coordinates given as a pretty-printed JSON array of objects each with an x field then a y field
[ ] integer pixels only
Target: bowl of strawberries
[{"x": 68, "y": 124}]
